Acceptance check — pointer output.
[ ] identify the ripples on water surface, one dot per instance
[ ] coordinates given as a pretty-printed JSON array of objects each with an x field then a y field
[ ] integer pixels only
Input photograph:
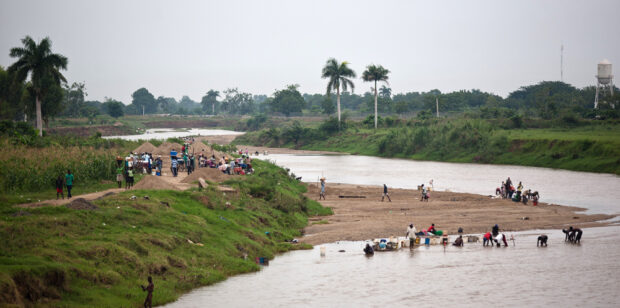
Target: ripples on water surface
[{"x": 561, "y": 275}]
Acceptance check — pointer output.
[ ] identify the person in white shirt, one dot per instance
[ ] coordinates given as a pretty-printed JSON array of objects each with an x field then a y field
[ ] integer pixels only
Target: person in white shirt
[{"x": 411, "y": 231}]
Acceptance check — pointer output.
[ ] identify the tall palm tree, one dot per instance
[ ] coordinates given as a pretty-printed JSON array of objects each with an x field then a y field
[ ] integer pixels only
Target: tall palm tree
[
  {"x": 337, "y": 74},
  {"x": 212, "y": 96},
  {"x": 375, "y": 73},
  {"x": 40, "y": 63}
]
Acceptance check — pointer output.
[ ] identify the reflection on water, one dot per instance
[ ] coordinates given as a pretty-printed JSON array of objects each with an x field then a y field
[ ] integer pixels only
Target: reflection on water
[
  {"x": 165, "y": 133},
  {"x": 560, "y": 275},
  {"x": 599, "y": 193}
]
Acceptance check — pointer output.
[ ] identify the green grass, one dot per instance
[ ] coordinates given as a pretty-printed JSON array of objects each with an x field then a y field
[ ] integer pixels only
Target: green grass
[
  {"x": 593, "y": 147},
  {"x": 60, "y": 257},
  {"x": 19, "y": 197}
]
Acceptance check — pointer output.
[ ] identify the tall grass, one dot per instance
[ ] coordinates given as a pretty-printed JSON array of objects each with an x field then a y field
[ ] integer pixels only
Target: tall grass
[{"x": 27, "y": 168}]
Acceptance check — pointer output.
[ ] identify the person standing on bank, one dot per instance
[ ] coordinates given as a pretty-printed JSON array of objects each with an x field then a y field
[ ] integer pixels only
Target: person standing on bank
[
  {"x": 385, "y": 193},
  {"x": 322, "y": 193},
  {"x": 148, "y": 301},
  {"x": 411, "y": 231},
  {"x": 60, "y": 183},
  {"x": 69, "y": 183}
]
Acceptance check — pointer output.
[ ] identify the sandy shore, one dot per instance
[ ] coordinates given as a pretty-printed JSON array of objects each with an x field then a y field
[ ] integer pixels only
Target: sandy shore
[
  {"x": 366, "y": 218},
  {"x": 261, "y": 150}
]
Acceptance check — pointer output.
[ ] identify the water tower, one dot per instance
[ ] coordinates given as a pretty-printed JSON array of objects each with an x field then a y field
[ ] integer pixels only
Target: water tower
[{"x": 604, "y": 80}]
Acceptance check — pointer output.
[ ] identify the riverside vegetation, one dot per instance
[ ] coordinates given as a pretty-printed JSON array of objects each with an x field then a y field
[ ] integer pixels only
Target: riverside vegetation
[
  {"x": 567, "y": 143},
  {"x": 58, "y": 256}
]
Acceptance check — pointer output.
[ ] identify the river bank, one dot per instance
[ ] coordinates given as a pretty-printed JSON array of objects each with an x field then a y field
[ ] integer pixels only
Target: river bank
[
  {"x": 97, "y": 253},
  {"x": 366, "y": 217},
  {"x": 590, "y": 148}
]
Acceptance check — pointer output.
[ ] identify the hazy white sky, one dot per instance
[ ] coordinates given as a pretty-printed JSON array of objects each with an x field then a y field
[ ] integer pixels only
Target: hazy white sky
[{"x": 176, "y": 48}]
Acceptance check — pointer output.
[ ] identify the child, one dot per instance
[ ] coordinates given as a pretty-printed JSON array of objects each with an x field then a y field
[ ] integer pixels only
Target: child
[
  {"x": 130, "y": 177},
  {"x": 59, "y": 185}
]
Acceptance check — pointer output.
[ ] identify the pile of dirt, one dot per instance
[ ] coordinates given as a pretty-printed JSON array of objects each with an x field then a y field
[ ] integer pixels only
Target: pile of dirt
[
  {"x": 81, "y": 204},
  {"x": 146, "y": 147},
  {"x": 153, "y": 182},
  {"x": 208, "y": 151},
  {"x": 209, "y": 174},
  {"x": 166, "y": 147}
]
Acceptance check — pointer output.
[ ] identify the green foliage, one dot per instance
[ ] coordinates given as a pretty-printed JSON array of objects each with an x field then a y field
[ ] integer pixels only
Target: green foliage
[
  {"x": 79, "y": 258},
  {"x": 287, "y": 101},
  {"x": 114, "y": 108},
  {"x": 143, "y": 101}
]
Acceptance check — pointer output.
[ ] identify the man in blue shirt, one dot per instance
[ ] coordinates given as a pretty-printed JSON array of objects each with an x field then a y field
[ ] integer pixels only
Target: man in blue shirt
[{"x": 174, "y": 166}]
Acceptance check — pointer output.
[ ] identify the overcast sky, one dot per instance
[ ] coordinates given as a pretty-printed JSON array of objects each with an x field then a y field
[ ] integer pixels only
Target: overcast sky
[{"x": 176, "y": 48}]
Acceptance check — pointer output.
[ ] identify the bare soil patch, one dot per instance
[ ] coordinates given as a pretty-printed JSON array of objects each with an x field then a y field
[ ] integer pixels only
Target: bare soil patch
[
  {"x": 81, "y": 204},
  {"x": 209, "y": 174},
  {"x": 366, "y": 218}
]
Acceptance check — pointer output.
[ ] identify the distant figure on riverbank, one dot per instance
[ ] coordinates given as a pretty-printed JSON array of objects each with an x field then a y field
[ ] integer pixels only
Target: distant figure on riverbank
[
  {"x": 424, "y": 194},
  {"x": 542, "y": 241},
  {"x": 148, "y": 302},
  {"x": 458, "y": 242},
  {"x": 69, "y": 183},
  {"x": 322, "y": 193},
  {"x": 573, "y": 235},
  {"x": 495, "y": 230},
  {"x": 60, "y": 183},
  {"x": 486, "y": 239},
  {"x": 501, "y": 238},
  {"x": 509, "y": 188},
  {"x": 368, "y": 250},
  {"x": 411, "y": 231},
  {"x": 385, "y": 193},
  {"x": 431, "y": 230}
]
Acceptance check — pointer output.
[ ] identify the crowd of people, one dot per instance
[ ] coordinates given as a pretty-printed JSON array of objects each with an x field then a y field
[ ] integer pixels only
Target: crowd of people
[{"x": 508, "y": 191}]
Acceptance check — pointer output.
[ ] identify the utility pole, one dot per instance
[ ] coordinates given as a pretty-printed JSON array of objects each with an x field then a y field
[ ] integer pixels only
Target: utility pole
[
  {"x": 562, "y": 62},
  {"x": 437, "y": 105},
  {"x": 142, "y": 110}
]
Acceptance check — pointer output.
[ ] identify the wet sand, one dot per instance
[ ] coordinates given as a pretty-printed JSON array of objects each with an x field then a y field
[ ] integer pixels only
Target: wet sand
[{"x": 366, "y": 218}]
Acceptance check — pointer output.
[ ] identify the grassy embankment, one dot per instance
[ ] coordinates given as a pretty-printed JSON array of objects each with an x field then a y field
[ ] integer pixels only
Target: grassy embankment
[
  {"x": 31, "y": 166},
  {"x": 60, "y": 257},
  {"x": 593, "y": 147}
]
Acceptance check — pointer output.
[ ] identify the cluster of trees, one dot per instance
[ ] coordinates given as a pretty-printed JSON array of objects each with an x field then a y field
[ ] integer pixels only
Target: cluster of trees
[{"x": 46, "y": 94}]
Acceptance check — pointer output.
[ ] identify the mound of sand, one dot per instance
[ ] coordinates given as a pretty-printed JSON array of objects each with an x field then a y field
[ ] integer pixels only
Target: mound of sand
[
  {"x": 146, "y": 147},
  {"x": 153, "y": 182},
  {"x": 209, "y": 174},
  {"x": 81, "y": 204},
  {"x": 208, "y": 151},
  {"x": 166, "y": 147}
]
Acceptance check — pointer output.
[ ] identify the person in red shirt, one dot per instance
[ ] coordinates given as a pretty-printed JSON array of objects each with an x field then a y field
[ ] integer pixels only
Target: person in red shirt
[
  {"x": 431, "y": 229},
  {"x": 487, "y": 239}
]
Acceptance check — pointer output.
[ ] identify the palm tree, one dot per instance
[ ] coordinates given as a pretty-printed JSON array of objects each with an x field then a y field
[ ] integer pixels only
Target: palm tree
[
  {"x": 40, "y": 63},
  {"x": 337, "y": 74},
  {"x": 212, "y": 96},
  {"x": 375, "y": 73}
]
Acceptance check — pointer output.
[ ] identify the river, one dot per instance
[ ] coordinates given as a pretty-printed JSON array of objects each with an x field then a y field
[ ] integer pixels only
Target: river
[
  {"x": 598, "y": 192},
  {"x": 520, "y": 275},
  {"x": 523, "y": 275},
  {"x": 165, "y": 133}
]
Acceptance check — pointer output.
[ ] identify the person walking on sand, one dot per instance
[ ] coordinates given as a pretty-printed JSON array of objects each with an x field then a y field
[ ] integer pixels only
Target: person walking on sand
[
  {"x": 411, "y": 231},
  {"x": 385, "y": 193},
  {"x": 322, "y": 193},
  {"x": 148, "y": 301},
  {"x": 69, "y": 183},
  {"x": 59, "y": 185},
  {"x": 174, "y": 165}
]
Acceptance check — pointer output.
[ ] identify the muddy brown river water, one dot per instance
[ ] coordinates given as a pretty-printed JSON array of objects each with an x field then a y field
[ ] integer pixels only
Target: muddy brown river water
[{"x": 521, "y": 275}]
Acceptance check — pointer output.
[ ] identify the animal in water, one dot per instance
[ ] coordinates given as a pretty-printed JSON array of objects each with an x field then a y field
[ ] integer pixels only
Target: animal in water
[{"x": 542, "y": 241}]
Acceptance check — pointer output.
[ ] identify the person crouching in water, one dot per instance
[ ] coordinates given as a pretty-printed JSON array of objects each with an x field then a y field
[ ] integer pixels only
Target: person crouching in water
[
  {"x": 60, "y": 183},
  {"x": 542, "y": 241},
  {"x": 501, "y": 237},
  {"x": 411, "y": 231},
  {"x": 459, "y": 241},
  {"x": 486, "y": 239},
  {"x": 368, "y": 250}
]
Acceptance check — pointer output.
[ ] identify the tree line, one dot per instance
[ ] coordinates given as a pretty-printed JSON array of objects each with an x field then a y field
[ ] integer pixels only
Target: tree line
[{"x": 46, "y": 94}]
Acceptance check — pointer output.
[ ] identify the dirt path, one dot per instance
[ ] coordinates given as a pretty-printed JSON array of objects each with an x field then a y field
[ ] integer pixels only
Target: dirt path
[
  {"x": 172, "y": 182},
  {"x": 367, "y": 218}
]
